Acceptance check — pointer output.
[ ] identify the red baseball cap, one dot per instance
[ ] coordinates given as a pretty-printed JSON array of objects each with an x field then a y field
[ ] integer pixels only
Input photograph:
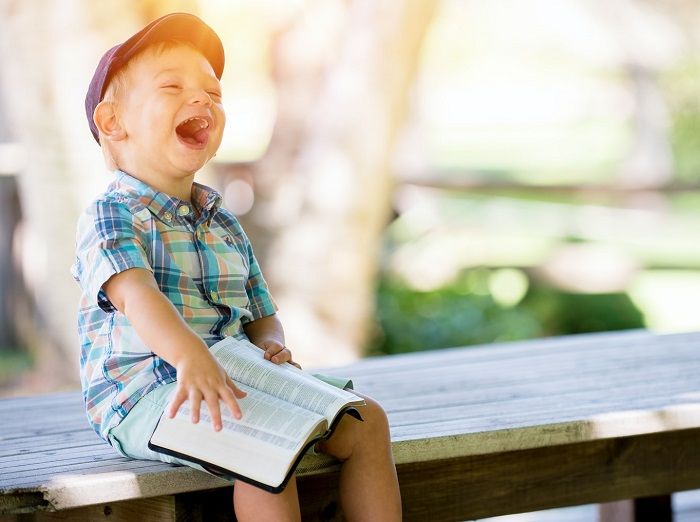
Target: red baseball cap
[{"x": 174, "y": 26}]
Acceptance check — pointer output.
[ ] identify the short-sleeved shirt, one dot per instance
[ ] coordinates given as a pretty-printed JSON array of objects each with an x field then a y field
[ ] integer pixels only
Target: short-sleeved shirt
[{"x": 202, "y": 261}]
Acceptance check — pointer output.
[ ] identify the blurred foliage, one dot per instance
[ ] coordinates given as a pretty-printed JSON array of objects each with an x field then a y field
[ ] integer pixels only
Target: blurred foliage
[
  {"x": 562, "y": 313},
  {"x": 409, "y": 320},
  {"x": 465, "y": 313},
  {"x": 13, "y": 363}
]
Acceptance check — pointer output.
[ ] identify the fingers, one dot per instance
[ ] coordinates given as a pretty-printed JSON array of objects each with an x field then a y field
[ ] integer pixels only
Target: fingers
[
  {"x": 229, "y": 398},
  {"x": 237, "y": 392},
  {"x": 212, "y": 401},
  {"x": 195, "y": 399},
  {"x": 177, "y": 400},
  {"x": 277, "y": 352},
  {"x": 228, "y": 393},
  {"x": 271, "y": 348},
  {"x": 283, "y": 356}
]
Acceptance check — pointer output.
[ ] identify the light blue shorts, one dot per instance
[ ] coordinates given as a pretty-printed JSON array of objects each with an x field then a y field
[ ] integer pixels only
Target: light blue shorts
[{"x": 130, "y": 437}]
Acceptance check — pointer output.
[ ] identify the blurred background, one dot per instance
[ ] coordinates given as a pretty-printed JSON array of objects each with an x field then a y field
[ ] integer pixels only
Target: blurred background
[{"x": 413, "y": 174}]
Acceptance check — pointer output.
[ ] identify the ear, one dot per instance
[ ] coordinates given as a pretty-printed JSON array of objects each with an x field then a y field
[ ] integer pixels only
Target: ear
[{"x": 107, "y": 122}]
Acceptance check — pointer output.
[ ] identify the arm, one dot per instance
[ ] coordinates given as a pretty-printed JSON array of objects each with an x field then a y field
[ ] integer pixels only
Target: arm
[
  {"x": 157, "y": 322},
  {"x": 267, "y": 333}
]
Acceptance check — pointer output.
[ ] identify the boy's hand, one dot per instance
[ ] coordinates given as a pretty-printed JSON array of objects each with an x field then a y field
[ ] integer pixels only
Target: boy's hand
[
  {"x": 277, "y": 352},
  {"x": 201, "y": 378},
  {"x": 267, "y": 333}
]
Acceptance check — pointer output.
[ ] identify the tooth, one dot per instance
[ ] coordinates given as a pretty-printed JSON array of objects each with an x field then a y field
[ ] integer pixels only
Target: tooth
[{"x": 203, "y": 122}]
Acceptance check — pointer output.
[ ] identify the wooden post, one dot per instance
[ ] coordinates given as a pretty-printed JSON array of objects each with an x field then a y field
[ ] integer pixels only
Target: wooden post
[
  {"x": 646, "y": 509},
  {"x": 9, "y": 278}
]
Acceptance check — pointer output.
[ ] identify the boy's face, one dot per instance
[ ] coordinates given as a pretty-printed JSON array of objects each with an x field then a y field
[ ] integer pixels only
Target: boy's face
[{"x": 172, "y": 114}]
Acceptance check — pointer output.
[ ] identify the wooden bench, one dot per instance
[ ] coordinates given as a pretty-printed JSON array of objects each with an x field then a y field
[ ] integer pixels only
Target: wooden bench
[{"x": 477, "y": 432}]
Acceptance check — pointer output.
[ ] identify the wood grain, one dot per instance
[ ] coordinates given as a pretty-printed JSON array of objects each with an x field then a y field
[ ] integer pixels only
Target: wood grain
[
  {"x": 529, "y": 480},
  {"x": 160, "y": 509},
  {"x": 446, "y": 407}
]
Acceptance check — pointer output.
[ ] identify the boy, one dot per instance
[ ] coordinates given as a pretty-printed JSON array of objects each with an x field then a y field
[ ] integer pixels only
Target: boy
[{"x": 165, "y": 272}]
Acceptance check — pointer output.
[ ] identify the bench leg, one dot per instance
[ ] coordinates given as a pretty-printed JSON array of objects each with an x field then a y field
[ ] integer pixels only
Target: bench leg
[{"x": 647, "y": 509}]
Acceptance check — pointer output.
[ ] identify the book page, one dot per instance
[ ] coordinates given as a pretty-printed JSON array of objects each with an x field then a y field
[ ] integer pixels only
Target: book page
[
  {"x": 265, "y": 461},
  {"x": 265, "y": 418},
  {"x": 245, "y": 363},
  {"x": 262, "y": 445}
]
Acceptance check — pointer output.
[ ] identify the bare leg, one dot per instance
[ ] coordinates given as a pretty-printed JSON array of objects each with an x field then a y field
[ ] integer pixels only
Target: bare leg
[
  {"x": 253, "y": 503},
  {"x": 369, "y": 488}
]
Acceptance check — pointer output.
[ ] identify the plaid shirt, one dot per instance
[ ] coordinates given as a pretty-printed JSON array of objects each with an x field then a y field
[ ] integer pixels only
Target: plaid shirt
[{"x": 204, "y": 265}]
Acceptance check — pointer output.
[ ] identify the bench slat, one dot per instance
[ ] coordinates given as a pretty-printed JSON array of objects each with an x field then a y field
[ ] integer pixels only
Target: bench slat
[
  {"x": 50, "y": 400},
  {"x": 593, "y": 345},
  {"x": 553, "y": 365},
  {"x": 444, "y": 404},
  {"x": 40, "y": 460},
  {"x": 47, "y": 442},
  {"x": 467, "y": 392}
]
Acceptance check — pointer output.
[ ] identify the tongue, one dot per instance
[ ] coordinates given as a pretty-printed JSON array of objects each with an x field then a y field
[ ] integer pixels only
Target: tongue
[
  {"x": 191, "y": 132},
  {"x": 201, "y": 135}
]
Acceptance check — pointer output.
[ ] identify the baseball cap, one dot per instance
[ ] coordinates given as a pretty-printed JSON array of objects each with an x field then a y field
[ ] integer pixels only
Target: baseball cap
[{"x": 174, "y": 26}]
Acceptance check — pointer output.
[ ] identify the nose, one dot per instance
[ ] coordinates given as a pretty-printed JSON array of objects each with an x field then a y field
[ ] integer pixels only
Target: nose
[{"x": 200, "y": 97}]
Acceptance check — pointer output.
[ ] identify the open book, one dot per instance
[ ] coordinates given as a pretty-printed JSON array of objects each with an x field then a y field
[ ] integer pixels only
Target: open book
[{"x": 285, "y": 412}]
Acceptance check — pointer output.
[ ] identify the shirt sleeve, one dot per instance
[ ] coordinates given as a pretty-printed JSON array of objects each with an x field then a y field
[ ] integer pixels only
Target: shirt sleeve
[{"x": 110, "y": 239}]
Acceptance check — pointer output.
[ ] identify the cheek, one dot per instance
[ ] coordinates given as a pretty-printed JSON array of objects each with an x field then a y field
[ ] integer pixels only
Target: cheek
[
  {"x": 157, "y": 112},
  {"x": 221, "y": 123},
  {"x": 149, "y": 121}
]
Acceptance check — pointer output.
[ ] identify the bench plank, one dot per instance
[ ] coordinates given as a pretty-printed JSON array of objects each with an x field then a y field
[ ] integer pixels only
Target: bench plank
[
  {"x": 476, "y": 486},
  {"x": 158, "y": 509},
  {"x": 557, "y": 476},
  {"x": 446, "y": 405}
]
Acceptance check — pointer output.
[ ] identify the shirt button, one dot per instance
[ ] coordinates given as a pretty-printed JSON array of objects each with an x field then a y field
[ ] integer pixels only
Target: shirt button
[
  {"x": 183, "y": 210},
  {"x": 214, "y": 295},
  {"x": 168, "y": 217}
]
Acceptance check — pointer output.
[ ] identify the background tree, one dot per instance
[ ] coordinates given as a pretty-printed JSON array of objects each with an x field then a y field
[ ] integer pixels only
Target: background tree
[{"x": 324, "y": 184}]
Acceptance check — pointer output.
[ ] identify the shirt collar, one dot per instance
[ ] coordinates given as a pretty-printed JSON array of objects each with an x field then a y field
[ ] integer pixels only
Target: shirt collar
[{"x": 165, "y": 207}]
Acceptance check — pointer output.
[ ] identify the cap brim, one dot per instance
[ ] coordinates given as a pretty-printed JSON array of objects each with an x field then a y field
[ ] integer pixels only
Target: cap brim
[{"x": 177, "y": 26}]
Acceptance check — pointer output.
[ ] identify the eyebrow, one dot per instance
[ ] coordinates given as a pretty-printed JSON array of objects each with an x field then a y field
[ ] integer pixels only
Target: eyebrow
[
  {"x": 178, "y": 71},
  {"x": 164, "y": 71}
]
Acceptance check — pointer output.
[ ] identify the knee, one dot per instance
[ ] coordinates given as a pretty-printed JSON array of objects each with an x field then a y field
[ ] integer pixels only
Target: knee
[
  {"x": 369, "y": 435},
  {"x": 376, "y": 423}
]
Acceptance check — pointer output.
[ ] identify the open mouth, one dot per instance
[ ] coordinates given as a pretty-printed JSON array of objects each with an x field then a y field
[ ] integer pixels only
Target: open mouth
[{"x": 194, "y": 131}]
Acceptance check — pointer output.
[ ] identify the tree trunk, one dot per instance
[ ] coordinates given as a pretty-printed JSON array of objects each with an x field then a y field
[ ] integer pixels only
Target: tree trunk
[
  {"x": 647, "y": 42},
  {"x": 324, "y": 187},
  {"x": 48, "y": 52}
]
